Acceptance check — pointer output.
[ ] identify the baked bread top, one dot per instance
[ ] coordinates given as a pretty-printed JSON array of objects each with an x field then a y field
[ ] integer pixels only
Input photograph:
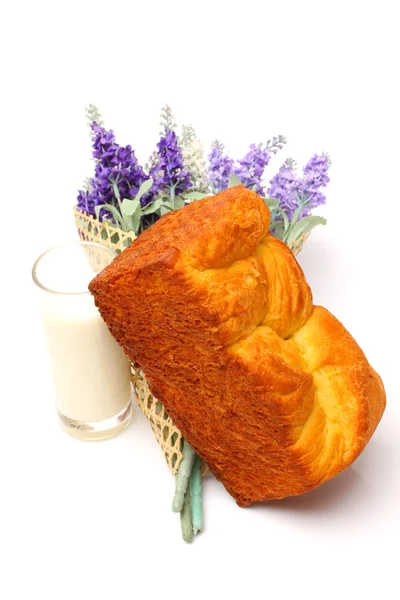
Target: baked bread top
[{"x": 271, "y": 391}]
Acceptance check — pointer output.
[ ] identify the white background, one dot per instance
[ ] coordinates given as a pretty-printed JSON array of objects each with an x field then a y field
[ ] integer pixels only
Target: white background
[{"x": 93, "y": 520}]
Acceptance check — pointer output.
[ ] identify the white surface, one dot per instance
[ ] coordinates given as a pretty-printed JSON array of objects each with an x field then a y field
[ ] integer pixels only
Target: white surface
[{"x": 93, "y": 521}]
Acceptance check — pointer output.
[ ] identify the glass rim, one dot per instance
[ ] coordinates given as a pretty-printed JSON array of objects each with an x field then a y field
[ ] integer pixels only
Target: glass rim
[{"x": 56, "y": 247}]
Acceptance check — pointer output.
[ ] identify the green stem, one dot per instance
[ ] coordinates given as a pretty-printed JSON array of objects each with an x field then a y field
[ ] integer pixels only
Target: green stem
[
  {"x": 116, "y": 192},
  {"x": 186, "y": 518},
  {"x": 183, "y": 476},
  {"x": 195, "y": 490},
  {"x": 172, "y": 196}
]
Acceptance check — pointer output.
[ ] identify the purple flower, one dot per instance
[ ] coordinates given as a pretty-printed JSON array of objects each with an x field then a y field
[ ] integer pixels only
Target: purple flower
[
  {"x": 290, "y": 189},
  {"x": 315, "y": 177},
  {"x": 117, "y": 171},
  {"x": 85, "y": 202},
  {"x": 168, "y": 173},
  {"x": 251, "y": 167},
  {"x": 219, "y": 168},
  {"x": 284, "y": 187}
]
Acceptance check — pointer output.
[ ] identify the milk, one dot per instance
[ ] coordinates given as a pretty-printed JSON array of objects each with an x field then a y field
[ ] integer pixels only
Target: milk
[{"x": 90, "y": 372}]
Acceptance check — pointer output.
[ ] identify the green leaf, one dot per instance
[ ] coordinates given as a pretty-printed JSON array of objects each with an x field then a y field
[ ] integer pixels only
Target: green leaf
[
  {"x": 164, "y": 210},
  {"x": 303, "y": 226},
  {"x": 168, "y": 204},
  {"x": 179, "y": 203},
  {"x": 144, "y": 188},
  {"x": 278, "y": 232},
  {"x": 276, "y": 223},
  {"x": 113, "y": 211},
  {"x": 114, "y": 183},
  {"x": 271, "y": 202},
  {"x": 153, "y": 207},
  {"x": 128, "y": 207},
  {"x": 195, "y": 196},
  {"x": 284, "y": 217},
  {"x": 136, "y": 217},
  {"x": 234, "y": 180},
  {"x": 296, "y": 215},
  {"x": 292, "y": 223}
]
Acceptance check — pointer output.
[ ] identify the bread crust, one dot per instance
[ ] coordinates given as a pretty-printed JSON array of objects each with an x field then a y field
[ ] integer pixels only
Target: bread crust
[{"x": 271, "y": 391}]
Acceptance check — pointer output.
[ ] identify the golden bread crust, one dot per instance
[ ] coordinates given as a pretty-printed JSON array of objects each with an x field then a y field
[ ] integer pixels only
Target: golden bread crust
[{"x": 271, "y": 391}]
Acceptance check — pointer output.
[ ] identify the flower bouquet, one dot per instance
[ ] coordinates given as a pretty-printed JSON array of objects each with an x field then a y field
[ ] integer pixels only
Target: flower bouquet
[{"x": 122, "y": 199}]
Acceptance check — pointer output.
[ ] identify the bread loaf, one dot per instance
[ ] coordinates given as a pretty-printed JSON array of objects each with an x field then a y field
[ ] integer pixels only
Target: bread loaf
[{"x": 271, "y": 391}]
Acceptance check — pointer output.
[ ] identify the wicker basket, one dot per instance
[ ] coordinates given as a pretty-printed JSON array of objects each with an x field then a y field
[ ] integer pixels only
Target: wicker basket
[{"x": 166, "y": 432}]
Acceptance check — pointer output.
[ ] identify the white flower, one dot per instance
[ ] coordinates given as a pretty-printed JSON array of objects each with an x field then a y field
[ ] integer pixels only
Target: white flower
[{"x": 193, "y": 158}]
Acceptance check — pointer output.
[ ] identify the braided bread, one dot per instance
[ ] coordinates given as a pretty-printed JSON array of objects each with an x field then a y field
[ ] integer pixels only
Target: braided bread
[{"x": 271, "y": 391}]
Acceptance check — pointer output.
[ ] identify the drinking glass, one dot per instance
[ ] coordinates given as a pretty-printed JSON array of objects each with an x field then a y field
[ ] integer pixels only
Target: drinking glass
[{"x": 90, "y": 371}]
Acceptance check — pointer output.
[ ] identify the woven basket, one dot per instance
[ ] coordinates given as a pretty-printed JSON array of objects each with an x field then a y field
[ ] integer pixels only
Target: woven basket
[{"x": 166, "y": 432}]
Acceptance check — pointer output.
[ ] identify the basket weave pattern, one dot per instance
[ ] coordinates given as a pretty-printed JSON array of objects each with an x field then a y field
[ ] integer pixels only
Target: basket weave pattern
[
  {"x": 102, "y": 232},
  {"x": 298, "y": 244},
  {"x": 168, "y": 435},
  {"x": 164, "y": 429}
]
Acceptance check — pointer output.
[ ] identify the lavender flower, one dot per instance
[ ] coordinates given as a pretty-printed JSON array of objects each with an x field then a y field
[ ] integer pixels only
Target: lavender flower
[
  {"x": 92, "y": 113},
  {"x": 116, "y": 163},
  {"x": 290, "y": 189},
  {"x": 167, "y": 119},
  {"x": 251, "y": 167},
  {"x": 220, "y": 168},
  {"x": 284, "y": 187},
  {"x": 315, "y": 177},
  {"x": 85, "y": 202},
  {"x": 169, "y": 174},
  {"x": 117, "y": 172}
]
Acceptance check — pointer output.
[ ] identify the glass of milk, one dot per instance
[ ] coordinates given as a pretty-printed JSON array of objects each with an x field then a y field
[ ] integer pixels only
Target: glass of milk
[{"x": 91, "y": 373}]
